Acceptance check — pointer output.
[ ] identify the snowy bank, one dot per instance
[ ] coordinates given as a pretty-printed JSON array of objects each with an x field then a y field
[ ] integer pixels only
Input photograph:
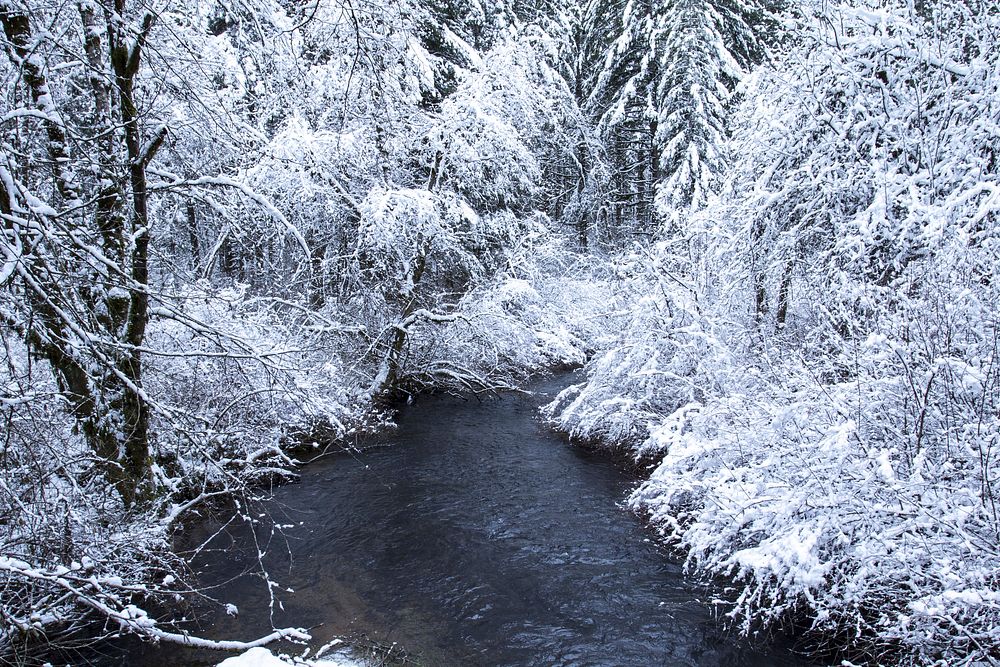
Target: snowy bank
[{"x": 261, "y": 657}]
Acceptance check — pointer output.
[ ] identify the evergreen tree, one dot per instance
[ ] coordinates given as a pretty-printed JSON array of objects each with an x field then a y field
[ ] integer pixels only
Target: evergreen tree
[{"x": 660, "y": 101}]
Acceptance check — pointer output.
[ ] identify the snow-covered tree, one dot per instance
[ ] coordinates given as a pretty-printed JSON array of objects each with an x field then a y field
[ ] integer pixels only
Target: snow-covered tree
[
  {"x": 77, "y": 230},
  {"x": 121, "y": 124},
  {"x": 661, "y": 100},
  {"x": 706, "y": 49}
]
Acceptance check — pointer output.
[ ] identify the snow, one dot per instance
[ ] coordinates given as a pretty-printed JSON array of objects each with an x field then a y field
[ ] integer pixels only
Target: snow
[
  {"x": 255, "y": 657},
  {"x": 261, "y": 657}
]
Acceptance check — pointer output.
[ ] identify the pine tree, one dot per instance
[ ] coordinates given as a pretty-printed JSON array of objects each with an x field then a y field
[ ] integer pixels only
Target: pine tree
[{"x": 661, "y": 96}]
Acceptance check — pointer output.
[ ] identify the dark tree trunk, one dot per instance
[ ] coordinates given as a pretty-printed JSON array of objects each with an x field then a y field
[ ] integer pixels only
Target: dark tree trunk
[
  {"x": 759, "y": 298},
  {"x": 192, "y": 225},
  {"x": 394, "y": 358},
  {"x": 125, "y": 59},
  {"x": 783, "y": 296},
  {"x": 317, "y": 275}
]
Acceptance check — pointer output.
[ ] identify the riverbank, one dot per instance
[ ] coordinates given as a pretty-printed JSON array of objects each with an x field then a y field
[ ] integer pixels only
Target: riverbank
[
  {"x": 848, "y": 494},
  {"x": 248, "y": 421}
]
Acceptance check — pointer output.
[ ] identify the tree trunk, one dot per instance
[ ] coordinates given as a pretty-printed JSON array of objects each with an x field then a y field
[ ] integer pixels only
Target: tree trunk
[
  {"x": 192, "y": 225},
  {"x": 392, "y": 365},
  {"x": 134, "y": 409},
  {"x": 583, "y": 224},
  {"x": 760, "y": 298},
  {"x": 317, "y": 277},
  {"x": 783, "y": 296},
  {"x": 758, "y": 274}
]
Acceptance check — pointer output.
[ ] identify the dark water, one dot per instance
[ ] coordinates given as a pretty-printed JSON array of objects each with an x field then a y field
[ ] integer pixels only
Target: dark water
[{"x": 475, "y": 537}]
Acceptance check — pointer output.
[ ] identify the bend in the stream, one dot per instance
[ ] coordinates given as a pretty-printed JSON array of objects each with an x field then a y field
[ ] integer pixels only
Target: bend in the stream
[{"x": 477, "y": 537}]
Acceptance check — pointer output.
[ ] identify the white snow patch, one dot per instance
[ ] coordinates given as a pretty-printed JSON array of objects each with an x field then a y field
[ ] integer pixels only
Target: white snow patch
[{"x": 261, "y": 657}]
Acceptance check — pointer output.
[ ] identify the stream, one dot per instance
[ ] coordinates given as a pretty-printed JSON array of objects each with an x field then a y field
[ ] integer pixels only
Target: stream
[{"x": 469, "y": 535}]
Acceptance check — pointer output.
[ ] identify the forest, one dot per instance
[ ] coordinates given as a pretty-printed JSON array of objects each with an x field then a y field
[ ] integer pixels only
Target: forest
[{"x": 235, "y": 231}]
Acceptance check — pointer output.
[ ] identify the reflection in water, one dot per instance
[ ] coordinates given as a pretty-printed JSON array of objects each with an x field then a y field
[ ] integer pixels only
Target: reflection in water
[{"x": 476, "y": 538}]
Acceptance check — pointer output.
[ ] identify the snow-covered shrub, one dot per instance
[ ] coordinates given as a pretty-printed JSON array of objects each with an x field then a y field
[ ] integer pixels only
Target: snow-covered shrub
[
  {"x": 66, "y": 539},
  {"x": 235, "y": 377},
  {"x": 665, "y": 356},
  {"x": 415, "y": 253},
  {"x": 460, "y": 300},
  {"x": 868, "y": 504}
]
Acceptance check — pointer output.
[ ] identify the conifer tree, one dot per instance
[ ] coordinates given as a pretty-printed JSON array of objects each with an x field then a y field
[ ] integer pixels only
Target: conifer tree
[{"x": 660, "y": 100}]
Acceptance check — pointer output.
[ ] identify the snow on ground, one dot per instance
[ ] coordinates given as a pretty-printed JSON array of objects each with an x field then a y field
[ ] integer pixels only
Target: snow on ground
[{"x": 261, "y": 657}]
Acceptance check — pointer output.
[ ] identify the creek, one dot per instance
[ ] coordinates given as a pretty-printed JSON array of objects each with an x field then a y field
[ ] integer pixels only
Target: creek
[{"x": 470, "y": 535}]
